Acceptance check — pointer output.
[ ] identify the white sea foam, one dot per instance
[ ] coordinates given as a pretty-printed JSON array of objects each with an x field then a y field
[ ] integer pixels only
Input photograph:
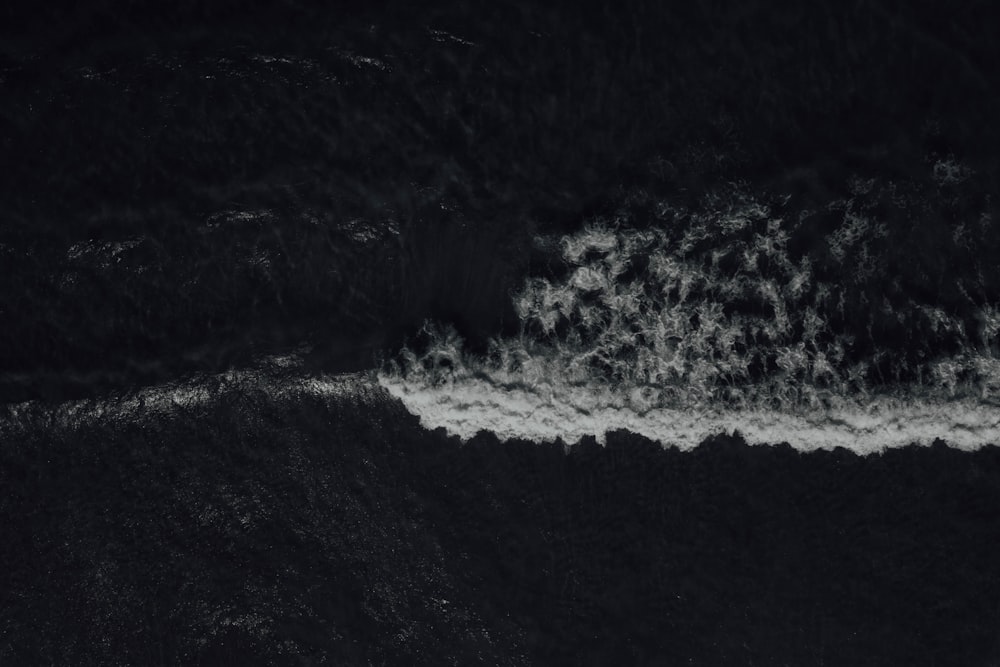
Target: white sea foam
[
  {"x": 465, "y": 407},
  {"x": 707, "y": 323}
]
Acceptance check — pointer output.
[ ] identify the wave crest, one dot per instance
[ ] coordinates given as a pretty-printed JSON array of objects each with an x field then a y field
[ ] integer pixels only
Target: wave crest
[{"x": 713, "y": 312}]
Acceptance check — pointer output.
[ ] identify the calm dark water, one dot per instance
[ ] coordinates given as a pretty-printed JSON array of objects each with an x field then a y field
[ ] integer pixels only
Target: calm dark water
[{"x": 215, "y": 222}]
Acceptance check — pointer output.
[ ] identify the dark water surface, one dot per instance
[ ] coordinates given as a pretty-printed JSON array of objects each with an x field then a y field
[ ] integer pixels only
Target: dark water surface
[{"x": 217, "y": 221}]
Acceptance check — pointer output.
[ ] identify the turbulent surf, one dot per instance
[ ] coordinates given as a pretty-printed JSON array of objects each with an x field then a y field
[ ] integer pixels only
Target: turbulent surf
[{"x": 740, "y": 314}]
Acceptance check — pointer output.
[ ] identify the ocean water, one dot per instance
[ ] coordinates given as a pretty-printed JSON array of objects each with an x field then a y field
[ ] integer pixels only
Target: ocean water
[{"x": 593, "y": 334}]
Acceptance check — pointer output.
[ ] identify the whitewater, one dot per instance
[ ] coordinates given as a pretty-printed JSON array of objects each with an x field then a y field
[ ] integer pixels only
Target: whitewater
[{"x": 729, "y": 317}]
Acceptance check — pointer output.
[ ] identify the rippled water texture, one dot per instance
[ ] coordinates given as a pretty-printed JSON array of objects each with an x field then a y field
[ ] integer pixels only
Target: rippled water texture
[{"x": 415, "y": 335}]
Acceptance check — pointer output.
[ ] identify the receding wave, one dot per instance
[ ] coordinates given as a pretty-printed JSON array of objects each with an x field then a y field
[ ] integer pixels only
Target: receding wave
[{"x": 739, "y": 314}]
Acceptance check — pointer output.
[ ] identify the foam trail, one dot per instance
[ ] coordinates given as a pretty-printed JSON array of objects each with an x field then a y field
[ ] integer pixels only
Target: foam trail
[
  {"x": 472, "y": 405},
  {"x": 707, "y": 321}
]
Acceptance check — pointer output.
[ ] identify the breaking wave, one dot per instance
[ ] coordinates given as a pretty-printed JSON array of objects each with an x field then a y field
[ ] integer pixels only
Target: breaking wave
[{"x": 819, "y": 328}]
